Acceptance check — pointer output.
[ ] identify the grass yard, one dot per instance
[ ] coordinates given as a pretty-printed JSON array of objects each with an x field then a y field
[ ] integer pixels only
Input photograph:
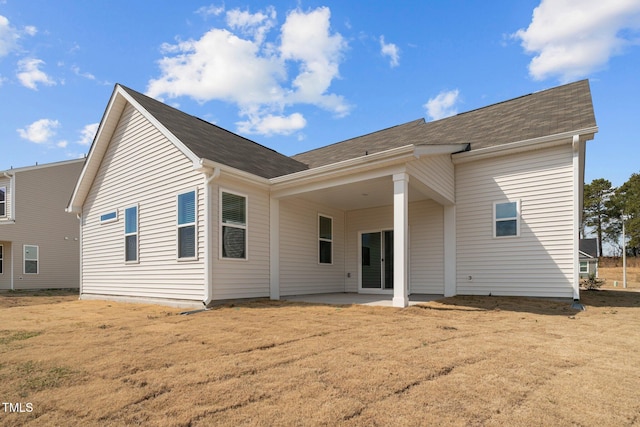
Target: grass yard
[{"x": 459, "y": 361}]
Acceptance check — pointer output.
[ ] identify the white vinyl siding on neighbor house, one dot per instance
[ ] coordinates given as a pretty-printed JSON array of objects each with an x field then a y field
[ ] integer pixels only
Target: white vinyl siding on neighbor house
[
  {"x": 141, "y": 167},
  {"x": 540, "y": 261},
  {"x": 300, "y": 271},
  {"x": 241, "y": 277},
  {"x": 426, "y": 243}
]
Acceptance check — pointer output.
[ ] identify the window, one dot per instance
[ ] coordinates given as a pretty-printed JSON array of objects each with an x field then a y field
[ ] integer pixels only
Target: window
[
  {"x": 506, "y": 219},
  {"x": 584, "y": 267},
  {"x": 3, "y": 201},
  {"x": 109, "y": 217},
  {"x": 131, "y": 234},
  {"x": 234, "y": 226},
  {"x": 1, "y": 266},
  {"x": 325, "y": 238},
  {"x": 31, "y": 259},
  {"x": 187, "y": 225}
]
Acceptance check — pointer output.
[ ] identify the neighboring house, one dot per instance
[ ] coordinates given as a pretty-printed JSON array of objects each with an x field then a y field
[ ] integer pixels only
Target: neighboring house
[
  {"x": 179, "y": 211},
  {"x": 588, "y": 257},
  {"x": 39, "y": 242}
]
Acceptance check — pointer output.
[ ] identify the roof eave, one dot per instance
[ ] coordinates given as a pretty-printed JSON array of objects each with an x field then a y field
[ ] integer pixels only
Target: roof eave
[{"x": 524, "y": 145}]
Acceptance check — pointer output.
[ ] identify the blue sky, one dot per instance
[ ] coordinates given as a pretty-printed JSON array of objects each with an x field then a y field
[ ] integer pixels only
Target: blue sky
[{"x": 296, "y": 75}]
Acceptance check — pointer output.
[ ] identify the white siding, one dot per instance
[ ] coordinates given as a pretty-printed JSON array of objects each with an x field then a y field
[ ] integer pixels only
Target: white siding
[
  {"x": 141, "y": 167},
  {"x": 242, "y": 278},
  {"x": 300, "y": 272},
  {"x": 540, "y": 261},
  {"x": 438, "y": 173},
  {"x": 426, "y": 243}
]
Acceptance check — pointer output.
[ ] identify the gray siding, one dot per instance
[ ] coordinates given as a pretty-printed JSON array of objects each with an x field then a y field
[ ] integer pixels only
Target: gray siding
[
  {"x": 141, "y": 167},
  {"x": 300, "y": 271},
  {"x": 41, "y": 195},
  {"x": 438, "y": 172},
  {"x": 540, "y": 261}
]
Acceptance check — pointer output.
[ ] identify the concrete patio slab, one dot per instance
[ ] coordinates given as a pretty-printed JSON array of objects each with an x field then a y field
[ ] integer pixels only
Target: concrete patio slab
[{"x": 360, "y": 299}]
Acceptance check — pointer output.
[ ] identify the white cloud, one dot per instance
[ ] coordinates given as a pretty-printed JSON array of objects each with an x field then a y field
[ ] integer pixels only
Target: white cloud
[
  {"x": 30, "y": 30},
  {"x": 8, "y": 37},
  {"x": 307, "y": 39},
  {"x": 254, "y": 25},
  {"x": 76, "y": 70},
  {"x": 572, "y": 38},
  {"x": 390, "y": 50},
  {"x": 206, "y": 11},
  {"x": 270, "y": 124},
  {"x": 238, "y": 65},
  {"x": 30, "y": 75},
  {"x": 62, "y": 144},
  {"x": 40, "y": 131},
  {"x": 88, "y": 133},
  {"x": 443, "y": 105}
]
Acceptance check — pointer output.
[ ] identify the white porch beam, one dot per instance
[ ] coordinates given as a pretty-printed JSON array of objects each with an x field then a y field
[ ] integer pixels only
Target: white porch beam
[
  {"x": 274, "y": 249},
  {"x": 450, "y": 251},
  {"x": 334, "y": 182},
  {"x": 400, "y": 239}
]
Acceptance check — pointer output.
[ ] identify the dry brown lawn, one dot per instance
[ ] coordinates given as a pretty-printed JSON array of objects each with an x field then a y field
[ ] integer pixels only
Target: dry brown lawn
[
  {"x": 613, "y": 274},
  {"x": 459, "y": 361}
]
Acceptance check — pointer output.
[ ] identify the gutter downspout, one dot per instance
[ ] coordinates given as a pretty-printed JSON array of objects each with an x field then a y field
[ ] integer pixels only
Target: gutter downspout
[
  {"x": 79, "y": 216},
  {"x": 208, "y": 228}
]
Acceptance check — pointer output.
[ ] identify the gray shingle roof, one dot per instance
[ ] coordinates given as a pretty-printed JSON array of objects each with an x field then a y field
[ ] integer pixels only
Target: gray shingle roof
[
  {"x": 553, "y": 111},
  {"x": 214, "y": 143},
  {"x": 589, "y": 247}
]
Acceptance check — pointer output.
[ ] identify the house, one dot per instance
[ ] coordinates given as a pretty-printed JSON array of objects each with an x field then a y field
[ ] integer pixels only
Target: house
[
  {"x": 176, "y": 210},
  {"x": 588, "y": 257},
  {"x": 39, "y": 242}
]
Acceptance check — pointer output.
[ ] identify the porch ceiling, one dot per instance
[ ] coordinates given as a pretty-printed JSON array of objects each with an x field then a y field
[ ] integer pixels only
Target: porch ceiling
[{"x": 361, "y": 195}]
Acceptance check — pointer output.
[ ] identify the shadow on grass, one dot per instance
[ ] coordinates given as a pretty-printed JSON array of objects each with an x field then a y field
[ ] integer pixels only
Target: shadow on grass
[
  {"x": 543, "y": 306},
  {"x": 610, "y": 298}
]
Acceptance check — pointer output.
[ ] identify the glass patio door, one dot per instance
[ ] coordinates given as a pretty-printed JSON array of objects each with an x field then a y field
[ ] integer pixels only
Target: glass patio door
[{"x": 376, "y": 260}]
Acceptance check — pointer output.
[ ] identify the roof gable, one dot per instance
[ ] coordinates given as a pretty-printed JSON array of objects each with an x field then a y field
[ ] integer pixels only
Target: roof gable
[
  {"x": 208, "y": 141},
  {"x": 553, "y": 111},
  {"x": 589, "y": 247}
]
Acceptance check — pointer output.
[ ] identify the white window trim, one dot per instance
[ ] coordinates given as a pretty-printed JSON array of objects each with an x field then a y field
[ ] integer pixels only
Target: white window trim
[
  {"x": 1, "y": 259},
  {"x": 245, "y": 226},
  {"x": 324, "y": 240},
  {"x": 107, "y": 221},
  {"x": 195, "y": 224},
  {"x": 24, "y": 259},
  {"x": 4, "y": 202},
  {"x": 517, "y": 218},
  {"x": 137, "y": 233},
  {"x": 580, "y": 267}
]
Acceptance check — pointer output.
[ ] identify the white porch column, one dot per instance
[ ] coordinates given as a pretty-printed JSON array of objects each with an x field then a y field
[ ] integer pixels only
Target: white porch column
[
  {"x": 274, "y": 249},
  {"x": 400, "y": 239},
  {"x": 449, "y": 250}
]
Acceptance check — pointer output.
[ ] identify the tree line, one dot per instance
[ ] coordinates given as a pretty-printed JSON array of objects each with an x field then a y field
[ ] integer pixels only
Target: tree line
[{"x": 605, "y": 207}]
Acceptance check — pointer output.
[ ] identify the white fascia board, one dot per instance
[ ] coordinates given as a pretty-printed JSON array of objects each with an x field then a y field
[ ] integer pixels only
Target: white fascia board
[
  {"x": 206, "y": 166},
  {"x": 524, "y": 145},
  {"x": 404, "y": 151},
  {"x": 41, "y": 166},
  {"x": 96, "y": 152},
  {"x": 431, "y": 150}
]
